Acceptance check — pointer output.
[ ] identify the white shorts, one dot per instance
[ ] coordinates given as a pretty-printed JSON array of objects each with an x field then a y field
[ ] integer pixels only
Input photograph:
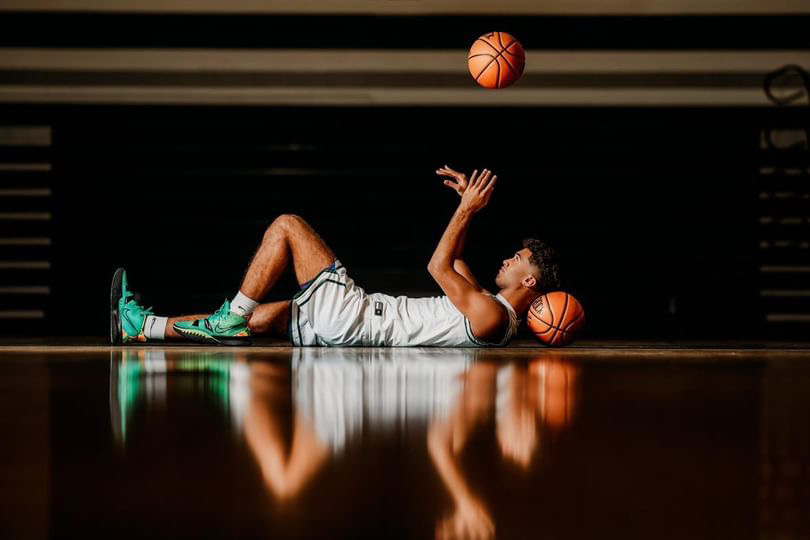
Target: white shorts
[{"x": 330, "y": 311}]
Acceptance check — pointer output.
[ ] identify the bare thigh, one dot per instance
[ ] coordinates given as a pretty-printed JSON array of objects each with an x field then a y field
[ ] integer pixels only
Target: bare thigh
[{"x": 309, "y": 252}]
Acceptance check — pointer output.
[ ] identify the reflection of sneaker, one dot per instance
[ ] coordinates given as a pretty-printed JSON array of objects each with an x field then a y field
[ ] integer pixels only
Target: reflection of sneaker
[
  {"x": 127, "y": 317},
  {"x": 223, "y": 327}
]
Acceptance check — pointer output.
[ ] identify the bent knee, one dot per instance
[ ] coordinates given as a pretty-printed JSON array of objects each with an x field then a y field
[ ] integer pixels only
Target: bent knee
[
  {"x": 287, "y": 221},
  {"x": 284, "y": 224}
]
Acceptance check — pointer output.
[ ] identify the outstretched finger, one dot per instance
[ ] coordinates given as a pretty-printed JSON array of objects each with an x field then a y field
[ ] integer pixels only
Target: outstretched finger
[
  {"x": 448, "y": 169},
  {"x": 473, "y": 178},
  {"x": 490, "y": 183},
  {"x": 484, "y": 179}
]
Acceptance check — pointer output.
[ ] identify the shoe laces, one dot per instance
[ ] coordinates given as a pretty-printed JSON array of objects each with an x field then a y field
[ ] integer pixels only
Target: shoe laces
[
  {"x": 131, "y": 298},
  {"x": 221, "y": 312}
]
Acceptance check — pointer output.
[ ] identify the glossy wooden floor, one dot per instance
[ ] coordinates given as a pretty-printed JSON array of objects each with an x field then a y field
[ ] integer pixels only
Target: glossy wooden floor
[{"x": 618, "y": 441}]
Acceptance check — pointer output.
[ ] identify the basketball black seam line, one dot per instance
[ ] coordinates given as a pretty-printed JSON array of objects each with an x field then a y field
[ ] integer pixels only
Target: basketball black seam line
[
  {"x": 494, "y": 58},
  {"x": 548, "y": 329},
  {"x": 485, "y": 68},
  {"x": 562, "y": 317},
  {"x": 481, "y": 54},
  {"x": 506, "y": 49},
  {"x": 503, "y": 49},
  {"x": 551, "y": 311},
  {"x": 563, "y": 330},
  {"x": 565, "y": 308},
  {"x": 554, "y": 335},
  {"x": 505, "y": 59},
  {"x": 500, "y": 54},
  {"x": 578, "y": 317},
  {"x": 552, "y": 326}
]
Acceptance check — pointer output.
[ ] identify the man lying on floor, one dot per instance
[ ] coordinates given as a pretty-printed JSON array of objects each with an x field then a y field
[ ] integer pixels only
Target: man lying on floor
[{"x": 330, "y": 310}]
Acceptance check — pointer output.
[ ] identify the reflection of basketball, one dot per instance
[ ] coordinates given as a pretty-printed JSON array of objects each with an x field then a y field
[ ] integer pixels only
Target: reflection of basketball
[
  {"x": 496, "y": 60},
  {"x": 556, "y": 318}
]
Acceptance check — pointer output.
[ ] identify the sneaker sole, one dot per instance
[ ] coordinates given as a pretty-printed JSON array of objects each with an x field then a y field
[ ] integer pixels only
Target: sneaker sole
[
  {"x": 210, "y": 340},
  {"x": 115, "y": 315}
]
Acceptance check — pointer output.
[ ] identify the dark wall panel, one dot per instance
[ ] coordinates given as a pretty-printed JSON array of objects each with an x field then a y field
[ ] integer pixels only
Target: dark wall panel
[{"x": 653, "y": 211}]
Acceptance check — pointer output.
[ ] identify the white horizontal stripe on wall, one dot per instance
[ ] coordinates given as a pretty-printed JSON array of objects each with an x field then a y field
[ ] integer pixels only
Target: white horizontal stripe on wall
[
  {"x": 514, "y": 97},
  {"x": 379, "y": 61},
  {"x": 606, "y": 78},
  {"x": 416, "y": 7}
]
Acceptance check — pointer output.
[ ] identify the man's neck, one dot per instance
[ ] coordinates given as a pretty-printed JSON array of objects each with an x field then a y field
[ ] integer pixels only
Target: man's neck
[{"x": 519, "y": 298}]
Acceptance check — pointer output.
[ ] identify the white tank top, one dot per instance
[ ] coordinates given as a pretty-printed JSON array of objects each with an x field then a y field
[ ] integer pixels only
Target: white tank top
[{"x": 426, "y": 322}]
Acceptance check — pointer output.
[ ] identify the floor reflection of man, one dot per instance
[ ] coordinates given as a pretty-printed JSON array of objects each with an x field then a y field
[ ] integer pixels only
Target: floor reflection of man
[
  {"x": 257, "y": 394},
  {"x": 522, "y": 396},
  {"x": 284, "y": 473},
  {"x": 335, "y": 395}
]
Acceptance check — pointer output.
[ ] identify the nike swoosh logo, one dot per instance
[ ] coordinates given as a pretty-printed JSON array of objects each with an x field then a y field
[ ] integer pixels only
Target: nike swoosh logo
[{"x": 220, "y": 329}]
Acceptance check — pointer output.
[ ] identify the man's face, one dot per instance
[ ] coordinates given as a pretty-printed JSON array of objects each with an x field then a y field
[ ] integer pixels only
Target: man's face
[{"x": 515, "y": 269}]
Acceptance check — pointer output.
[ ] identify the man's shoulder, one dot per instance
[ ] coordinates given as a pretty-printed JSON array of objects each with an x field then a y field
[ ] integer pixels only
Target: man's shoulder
[{"x": 488, "y": 311}]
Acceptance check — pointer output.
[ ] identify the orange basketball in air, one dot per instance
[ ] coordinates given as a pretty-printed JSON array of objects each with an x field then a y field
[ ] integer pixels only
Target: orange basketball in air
[
  {"x": 555, "y": 318},
  {"x": 496, "y": 60}
]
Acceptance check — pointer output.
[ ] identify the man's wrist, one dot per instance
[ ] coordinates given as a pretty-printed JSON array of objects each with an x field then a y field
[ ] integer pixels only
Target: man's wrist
[{"x": 464, "y": 212}]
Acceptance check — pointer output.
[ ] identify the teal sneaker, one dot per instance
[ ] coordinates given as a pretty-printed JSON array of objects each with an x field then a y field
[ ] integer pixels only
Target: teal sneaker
[
  {"x": 127, "y": 316},
  {"x": 221, "y": 328}
]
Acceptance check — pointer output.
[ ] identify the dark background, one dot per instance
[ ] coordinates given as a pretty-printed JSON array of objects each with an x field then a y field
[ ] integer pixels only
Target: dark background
[{"x": 655, "y": 211}]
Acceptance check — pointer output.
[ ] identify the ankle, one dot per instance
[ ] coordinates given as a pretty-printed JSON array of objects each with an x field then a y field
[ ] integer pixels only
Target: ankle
[
  {"x": 242, "y": 305},
  {"x": 154, "y": 327}
]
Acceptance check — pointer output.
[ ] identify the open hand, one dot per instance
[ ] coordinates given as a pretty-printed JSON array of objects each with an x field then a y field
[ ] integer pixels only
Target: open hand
[
  {"x": 478, "y": 191},
  {"x": 470, "y": 521},
  {"x": 458, "y": 180}
]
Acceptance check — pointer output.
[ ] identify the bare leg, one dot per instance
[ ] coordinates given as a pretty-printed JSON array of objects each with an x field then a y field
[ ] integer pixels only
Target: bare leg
[
  {"x": 288, "y": 235},
  {"x": 270, "y": 318}
]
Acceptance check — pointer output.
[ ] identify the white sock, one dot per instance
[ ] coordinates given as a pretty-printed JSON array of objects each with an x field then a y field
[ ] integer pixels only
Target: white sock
[
  {"x": 155, "y": 327},
  {"x": 242, "y": 305}
]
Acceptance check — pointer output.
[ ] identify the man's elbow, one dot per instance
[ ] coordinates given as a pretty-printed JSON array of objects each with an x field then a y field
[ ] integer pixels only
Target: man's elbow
[{"x": 435, "y": 268}]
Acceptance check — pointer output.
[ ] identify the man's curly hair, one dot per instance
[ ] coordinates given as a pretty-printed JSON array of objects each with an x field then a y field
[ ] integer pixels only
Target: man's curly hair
[{"x": 544, "y": 258}]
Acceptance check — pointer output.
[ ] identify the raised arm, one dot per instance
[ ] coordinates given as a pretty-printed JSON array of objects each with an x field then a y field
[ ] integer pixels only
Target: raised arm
[
  {"x": 487, "y": 317},
  {"x": 458, "y": 182}
]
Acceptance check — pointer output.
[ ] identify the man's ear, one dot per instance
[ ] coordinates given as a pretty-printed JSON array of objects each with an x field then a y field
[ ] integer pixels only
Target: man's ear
[{"x": 529, "y": 281}]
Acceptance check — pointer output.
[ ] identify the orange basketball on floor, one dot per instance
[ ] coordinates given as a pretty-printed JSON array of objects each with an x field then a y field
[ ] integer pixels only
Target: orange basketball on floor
[
  {"x": 496, "y": 60},
  {"x": 555, "y": 318}
]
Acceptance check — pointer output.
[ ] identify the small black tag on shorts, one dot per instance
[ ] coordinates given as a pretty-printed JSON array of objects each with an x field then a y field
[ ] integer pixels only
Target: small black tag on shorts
[{"x": 378, "y": 306}]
